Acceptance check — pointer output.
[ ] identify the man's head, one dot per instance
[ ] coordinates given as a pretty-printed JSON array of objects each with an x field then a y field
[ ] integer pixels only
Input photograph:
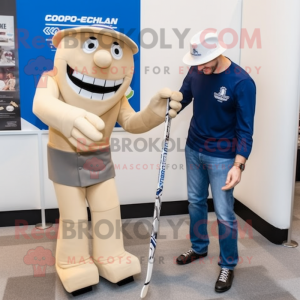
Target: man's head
[{"x": 10, "y": 75}]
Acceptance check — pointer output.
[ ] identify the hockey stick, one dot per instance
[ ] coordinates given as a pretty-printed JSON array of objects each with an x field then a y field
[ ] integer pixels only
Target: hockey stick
[{"x": 157, "y": 207}]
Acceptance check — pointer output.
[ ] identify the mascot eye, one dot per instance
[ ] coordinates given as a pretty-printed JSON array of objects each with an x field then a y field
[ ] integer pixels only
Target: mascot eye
[
  {"x": 116, "y": 51},
  {"x": 90, "y": 45}
]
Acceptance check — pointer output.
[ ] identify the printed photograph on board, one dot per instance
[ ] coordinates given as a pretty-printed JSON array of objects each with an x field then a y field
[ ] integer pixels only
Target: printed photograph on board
[
  {"x": 7, "y": 41},
  {"x": 8, "y": 80},
  {"x": 7, "y": 56}
]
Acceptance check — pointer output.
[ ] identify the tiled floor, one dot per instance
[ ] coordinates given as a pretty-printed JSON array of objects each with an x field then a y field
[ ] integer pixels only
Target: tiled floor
[{"x": 265, "y": 271}]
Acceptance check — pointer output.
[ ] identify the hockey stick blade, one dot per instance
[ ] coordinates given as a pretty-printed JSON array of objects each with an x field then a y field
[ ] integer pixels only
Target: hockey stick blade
[{"x": 144, "y": 291}]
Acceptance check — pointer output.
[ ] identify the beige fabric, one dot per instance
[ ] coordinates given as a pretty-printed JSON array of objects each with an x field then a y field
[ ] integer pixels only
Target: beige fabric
[
  {"x": 73, "y": 261},
  {"x": 82, "y": 276},
  {"x": 158, "y": 102},
  {"x": 117, "y": 267},
  {"x": 137, "y": 122},
  {"x": 72, "y": 252},
  {"x": 79, "y": 123},
  {"x": 54, "y": 112}
]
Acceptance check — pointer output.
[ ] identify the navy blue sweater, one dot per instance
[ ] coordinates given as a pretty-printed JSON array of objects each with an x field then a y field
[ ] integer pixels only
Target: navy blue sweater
[{"x": 223, "y": 112}]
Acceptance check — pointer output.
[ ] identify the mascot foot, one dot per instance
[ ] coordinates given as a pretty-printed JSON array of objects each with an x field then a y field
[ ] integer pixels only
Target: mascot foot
[
  {"x": 82, "y": 291},
  {"x": 77, "y": 278},
  {"x": 119, "y": 268},
  {"x": 125, "y": 281}
]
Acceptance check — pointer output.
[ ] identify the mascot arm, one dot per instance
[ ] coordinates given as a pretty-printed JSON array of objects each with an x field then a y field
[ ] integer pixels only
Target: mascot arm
[
  {"x": 71, "y": 121},
  {"x": 137, "y": 122},
  {"x": 152, "y": 115}
]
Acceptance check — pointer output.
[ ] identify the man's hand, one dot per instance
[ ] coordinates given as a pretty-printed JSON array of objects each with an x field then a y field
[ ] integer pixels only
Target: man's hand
[{"x": 233, "y": 178}]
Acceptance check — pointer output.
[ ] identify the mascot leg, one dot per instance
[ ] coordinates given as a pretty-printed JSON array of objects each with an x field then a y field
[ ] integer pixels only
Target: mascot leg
[
  {"x": 74, "y": 265},
  {"x": 113, "y": 262}
]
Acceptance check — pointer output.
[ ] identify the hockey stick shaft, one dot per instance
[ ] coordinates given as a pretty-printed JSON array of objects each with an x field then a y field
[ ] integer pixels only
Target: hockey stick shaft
[{"x": 158, "y": 201}]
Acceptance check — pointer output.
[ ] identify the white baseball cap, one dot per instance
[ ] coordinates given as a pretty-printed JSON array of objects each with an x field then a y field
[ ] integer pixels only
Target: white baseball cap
[{"x": 204, "y": 47}]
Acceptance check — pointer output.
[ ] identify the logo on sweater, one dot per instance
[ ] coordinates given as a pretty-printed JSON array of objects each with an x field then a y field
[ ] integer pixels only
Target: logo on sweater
[{"x": 221, "y": 96}]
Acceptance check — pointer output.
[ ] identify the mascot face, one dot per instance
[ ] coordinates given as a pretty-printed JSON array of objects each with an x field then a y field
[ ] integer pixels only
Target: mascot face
[{"x": 93, "y": 70}]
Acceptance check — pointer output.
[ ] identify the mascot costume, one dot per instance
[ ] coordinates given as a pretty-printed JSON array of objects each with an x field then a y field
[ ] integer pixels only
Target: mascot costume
[{"x": 83, "y": 98}]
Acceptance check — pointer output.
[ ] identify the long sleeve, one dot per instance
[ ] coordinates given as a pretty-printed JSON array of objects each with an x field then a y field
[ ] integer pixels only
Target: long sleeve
[
  {"x": 245, "y": 108},
  {"x": 186, "y": 92}
]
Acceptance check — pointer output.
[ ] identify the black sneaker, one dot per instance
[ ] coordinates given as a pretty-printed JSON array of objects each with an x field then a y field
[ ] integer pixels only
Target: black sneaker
[
  {"x": 224, "y": 281},
  {"x": 189, "y": 257}
]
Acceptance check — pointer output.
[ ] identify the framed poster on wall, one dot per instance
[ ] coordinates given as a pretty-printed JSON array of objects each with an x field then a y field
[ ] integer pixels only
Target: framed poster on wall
[
  {"x": 36, "y": 32},
  {"x": 10, "y": 118}
]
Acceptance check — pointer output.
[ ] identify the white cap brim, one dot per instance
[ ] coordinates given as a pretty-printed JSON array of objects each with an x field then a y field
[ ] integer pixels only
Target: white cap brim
[
  {"x": 191, "y": 60},
  {"x": 93, "y": 29}
]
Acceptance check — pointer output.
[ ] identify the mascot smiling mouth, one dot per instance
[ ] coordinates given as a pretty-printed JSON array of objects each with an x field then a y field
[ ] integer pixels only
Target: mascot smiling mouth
[{"x": 91, "y": 87}]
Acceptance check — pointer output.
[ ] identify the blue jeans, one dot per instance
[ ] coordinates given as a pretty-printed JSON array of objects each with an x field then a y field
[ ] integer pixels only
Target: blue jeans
[{"x": 203, "y": 170}]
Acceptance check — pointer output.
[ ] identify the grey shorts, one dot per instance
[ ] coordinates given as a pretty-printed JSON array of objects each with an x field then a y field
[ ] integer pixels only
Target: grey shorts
[{"x": 80, "y": 169}]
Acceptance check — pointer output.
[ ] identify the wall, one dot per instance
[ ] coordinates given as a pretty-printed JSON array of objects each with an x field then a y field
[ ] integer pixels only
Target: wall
[
  {"x": 267, "y": 186},
  {"x": 138, "y": 186},
  {"x": 157, "y": 15}
]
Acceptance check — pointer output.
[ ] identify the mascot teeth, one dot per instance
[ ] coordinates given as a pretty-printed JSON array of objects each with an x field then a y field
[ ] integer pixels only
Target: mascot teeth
[{"x": 90, "y": 87}]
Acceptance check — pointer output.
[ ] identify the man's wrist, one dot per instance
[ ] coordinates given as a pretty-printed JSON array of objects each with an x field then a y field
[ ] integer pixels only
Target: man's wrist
[{"x": 239, "y": 165}]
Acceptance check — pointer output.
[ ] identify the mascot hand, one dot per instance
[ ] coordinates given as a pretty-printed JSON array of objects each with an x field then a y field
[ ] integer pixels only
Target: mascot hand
[
  {"x": 158, "y": 102},
  {"x": 85, "y": 129}
]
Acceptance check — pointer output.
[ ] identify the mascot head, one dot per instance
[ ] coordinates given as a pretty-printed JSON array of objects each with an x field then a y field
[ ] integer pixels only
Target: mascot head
[{"x": 94, "y": 66}]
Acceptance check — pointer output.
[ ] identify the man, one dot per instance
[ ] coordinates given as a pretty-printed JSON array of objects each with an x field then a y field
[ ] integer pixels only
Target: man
[{"x": 218, "y": 145}]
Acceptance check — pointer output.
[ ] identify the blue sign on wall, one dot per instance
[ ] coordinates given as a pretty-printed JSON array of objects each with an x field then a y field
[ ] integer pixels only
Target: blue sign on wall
[{"x": 39, "y": 21}]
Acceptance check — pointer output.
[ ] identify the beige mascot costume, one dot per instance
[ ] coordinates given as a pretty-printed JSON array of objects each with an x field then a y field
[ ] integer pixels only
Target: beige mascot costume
[{"x": 81, "y": 102}]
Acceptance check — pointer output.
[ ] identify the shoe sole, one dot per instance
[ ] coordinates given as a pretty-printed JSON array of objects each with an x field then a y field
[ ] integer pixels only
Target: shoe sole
[{"x": 223, "y": 291}]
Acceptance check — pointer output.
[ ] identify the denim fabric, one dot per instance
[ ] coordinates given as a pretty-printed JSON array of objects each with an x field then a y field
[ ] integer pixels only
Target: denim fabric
[{"x": 203, "y": 170}]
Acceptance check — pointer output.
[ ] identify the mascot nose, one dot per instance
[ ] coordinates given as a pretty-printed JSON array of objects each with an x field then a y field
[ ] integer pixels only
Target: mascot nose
[{"x": 102, "y": 59}]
